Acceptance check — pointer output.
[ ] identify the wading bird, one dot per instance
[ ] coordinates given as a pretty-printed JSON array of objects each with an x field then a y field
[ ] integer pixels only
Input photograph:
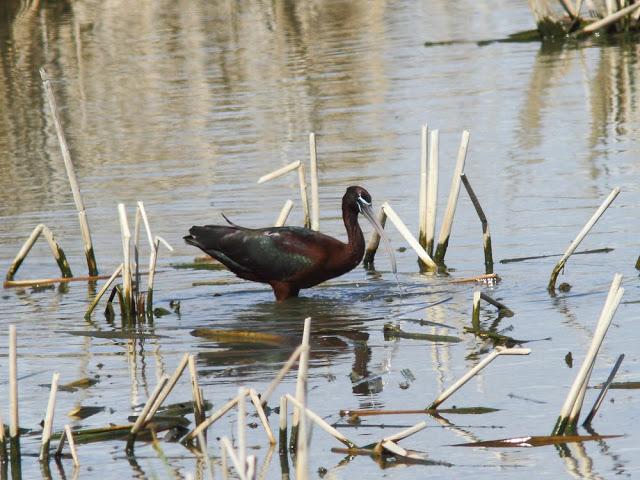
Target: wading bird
[{"x": 290, "y": 258}]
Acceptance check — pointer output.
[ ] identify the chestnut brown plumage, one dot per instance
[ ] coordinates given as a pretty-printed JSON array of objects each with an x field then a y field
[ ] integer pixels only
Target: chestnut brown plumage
[{"x": 290, "y": 258}]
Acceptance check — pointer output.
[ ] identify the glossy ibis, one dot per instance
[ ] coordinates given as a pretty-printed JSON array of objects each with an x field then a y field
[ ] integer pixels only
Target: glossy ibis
[{"x": 290, "y": 258}]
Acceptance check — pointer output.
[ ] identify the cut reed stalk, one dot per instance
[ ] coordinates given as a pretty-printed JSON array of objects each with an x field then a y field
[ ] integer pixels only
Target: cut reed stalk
[
  {"x": 50, "y": 281},
  {"x": 422, "y": 197},
  {"x": 374, "y": 242},
  {"x": 263, "y": 418},
  {"x": 411, "y": 240},
  {"x": 264, "y": 398},
  {"x": 241, "y": 435},
  {"x": 608, "y": 20},
  {"x": 105, "y": 287},
  {"x": 198, "y": 402},
  {"x": 396, "y": 437},
  {"x": 301, "y": 383},
  {"x": 322, "y": 424},
  {"x": 303, "y": 196},
  {"x": 153, "y": 260},
  {"x": 486, "y": 235},
  {"x": 136, "y": 252},
  {"x": 23, "y": 252},
  {"x": 171, "y": 383},
  {"x": 58, "y": 253},
  {"x": 68, "y": 164},
  {"x": 72, "y": 445},
  {"x": 284, "y": 213},
  {"x": 474, "y": 371},
  {"x": 209, "y": 421},
  {"x": 226, "y": 445},
  {"x": 603, "y": 392},
  {"x": 3, "y": 442},
  {"x": 282, "y": 438},
  {"x": 205, "y": 455},
  {"x": 126, "y": 268},
  {"x": 315, "y": 201},
  {"x": 570, "y": 411},
  {"x": 48, "y": 419},
  {"x": 447, "y": 223},
  {"x": 252, "y": 467},
  {"x": 144, "y": 415},
  {"x": 500, "y": 306},
  {"x": 14, "y": 428},
  {"x": 583, "y": 233},
  {"x": 432, "y": 191},
  {"x": 475, "y": 316},
  {"x": 223, "y": 461},
  {"x": 280, "y": 172},
  {"x": 477, "y": 278}
]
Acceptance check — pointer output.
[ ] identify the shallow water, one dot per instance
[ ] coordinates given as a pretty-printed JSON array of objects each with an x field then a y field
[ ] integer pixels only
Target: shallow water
[{"x": 184, "y": 105}]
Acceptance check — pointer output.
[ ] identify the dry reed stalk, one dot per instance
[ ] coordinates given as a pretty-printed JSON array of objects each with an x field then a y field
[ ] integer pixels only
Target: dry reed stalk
[
  {"x": 223, "y": 462},
  {"x": 3, "y": 443},
  {"x": 411, "y": 240},
  {"x": 422, "y": 197},
  {"x": 573, "y": 402},
  {"x": 171, "y": 383},
  {"x": 264, "y": 398},
  {"x": 486, "y": 235},
  {"x": 263, "y": 418},
  {"x": 495, "y": 303},
  {"x": 144, "y": 415},
  {"x": 14, "y": 428},
  {"x": 447, "y": 223},
  {"x": 242, "y": 425},
  {"x": 583, "y": 233},
  {"x": 303, "y": 196},
  {"x": 608, "y": 20},
  {"x": 321, "y": 423},
  {"x": 72, "y": 445},
  {"x": 136, "y": 252},
  {"x": 50, "y": 281},
  {"x": 475, "y": 316},
  {"x": 396, "y": 437},
  {"x": 282, "y": 439},
  {"x": 153, "y": 263},
  {"x": 568, "y": 7},
  {"x": 603, "y": 392},
  {"x": 198, "y": 402},
  {"x": 284, "y": 214},
  {"x": 226, "y": 445},
  {"x": 48, "y": 419},
  {"x": 477, "y": 278},
  {"x": 105, "y": 287},
  {"x": 126, "y": 268},
  {"x": 301, "y": 382},
  {"x": 315, "y": 201},
  {"x": 209, "y": 421},
  {"x": 374, "y": 242},
  {"x": 68, "y": 165},
  {"x": 24, "y": 251},
  {"x": 252, "y": 467},
  {"x": 280, "y": 172},
  {"x": 57, "y": 252},
  {"x": 474, "y": 371},
  {"x": 432, "y": 191},
  {"x": 205, "y": 455}
]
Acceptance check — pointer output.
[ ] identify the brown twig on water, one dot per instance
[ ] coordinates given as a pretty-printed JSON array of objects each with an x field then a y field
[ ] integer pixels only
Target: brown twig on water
[
  {"x": 48, "y": 419},
  {"x": 486, "y": 236},
  {"x": 603, "y": 392},
  {"x": 68, "y": 164}
]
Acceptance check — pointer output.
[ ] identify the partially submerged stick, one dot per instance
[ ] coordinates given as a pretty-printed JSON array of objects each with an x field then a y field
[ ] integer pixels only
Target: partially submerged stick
[
  {"x": 411, "y": 240},
  {"x": 315, "y": 201},
  {"x": 102, "y": 291},
  {"x": 422, "y": 196},
  {"x": 280, "y": 172},
  {"x": 57, "y": 252},
  {"x": 68, "y": 165},
  {"x": 603, "y": 392},
  {"x": 432, "y": 191},
  {"x": 583, "y": 233},
  {"x": 143, "y": 417},
  {"x": 608, "y": 20},
  {"x": 72, "y": 445},
  {"x": 474, "y": 371},
  {"x": 475, "y": 315},
  {"x": 3, "y": 442},
  {"x": 486, "y": 236},
  {"x": 48, "y": 419},
  {"x": 570, "y": 411},
  {"x": 282, "y": 439},
  {"x": 447, "y": 222},
  {"x": 14, "y": 428},
  {"x": 284, "y": 214},
  {"x": 24, "y": 251},
  {"x": 263, "y": 418},
  {"x": 126, "y": 268},
  {"x": 374, "y": 242}
]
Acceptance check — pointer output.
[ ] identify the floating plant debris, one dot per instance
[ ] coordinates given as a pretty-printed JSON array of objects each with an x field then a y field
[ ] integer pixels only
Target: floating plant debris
[{"x": 535, "y": 441}]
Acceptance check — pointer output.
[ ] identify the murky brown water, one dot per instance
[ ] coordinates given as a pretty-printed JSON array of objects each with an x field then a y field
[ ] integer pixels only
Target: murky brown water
[{"x": 183, "y": 105}]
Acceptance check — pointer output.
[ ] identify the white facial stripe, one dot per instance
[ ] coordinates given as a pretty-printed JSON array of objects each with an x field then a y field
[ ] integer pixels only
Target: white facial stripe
[{"x": 363, "y": 200}]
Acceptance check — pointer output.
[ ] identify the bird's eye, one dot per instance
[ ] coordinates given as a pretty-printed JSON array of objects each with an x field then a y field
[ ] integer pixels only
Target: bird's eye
[{"x": 364, "y": 202}]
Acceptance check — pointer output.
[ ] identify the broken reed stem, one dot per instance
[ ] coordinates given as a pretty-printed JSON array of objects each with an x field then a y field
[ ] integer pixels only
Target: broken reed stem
[
  {"x": 475, "y": 316},
  {"x": 145, "y": 220},
  {"x": 447, "y": 223},
  {"x": 153, "y": 260},
  {"x": 14, "y": 429},
  {"x": 3, "y": 443},
  {"x": 411, "y": 240},
  {"x": 374, "y": 242},
  {"x": 263, "y": 418},
  {"x": 241, "y": 435},
  {"x": 280, "y": 172},
  {"x": 105, "y": 287},
  {"x": 144, "y": 415},
  {"x": 48, "y": 419},
  {"x": 422, "y": 196},
  {"x": 264, "y": 398},
  {"x": 223, "y": 461},
  {"x": 23, "y": 252},
  {"x": 50, "y": 281},
  {"x": 486, "y": 236},
  {"x": 474, "y": 371},
  {"x": 571, "y": 408},
  {"x": 432, "y": 191},
  {"x": 198, "y": 402},
  {"x": 303, "y": 196},
  {"x": 315, "y": 201},
  {"x": 495, "y": 303},
  {"x": 207, "y": 461},
  {"x": 284, "y": 214},
  {"x": 171, "y": 383},
  {"x": 321, "y": 423},
  {"x": 608, "y": 20},
  {"x": 72, "y": 445},
  {"x": 282, "y": 438},
  {"x": 603, "y": 392},
  {"x": 301, "y": 382},
  {"x": 226, "y": 445},
  {"x": 568, "y": 7},
  {"x": 68, "y": 165},
  {"x": 583, "y": 233},
  {"x": 405, "y": 433},
  {"x": 58, "y": 253},
  {"x": 209, "y": 421},
  {"x": 126, "y": 268}
]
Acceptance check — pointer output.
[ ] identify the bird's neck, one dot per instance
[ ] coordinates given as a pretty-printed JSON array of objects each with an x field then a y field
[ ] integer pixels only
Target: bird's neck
[{"x": 355, "y": 244}]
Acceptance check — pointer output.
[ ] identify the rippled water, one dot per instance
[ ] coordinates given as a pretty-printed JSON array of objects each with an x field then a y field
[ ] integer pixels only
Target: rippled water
[{"x": 184, "y": 105}]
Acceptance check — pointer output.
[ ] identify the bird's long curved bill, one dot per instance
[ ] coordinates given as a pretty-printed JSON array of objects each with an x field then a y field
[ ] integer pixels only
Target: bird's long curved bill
[{"x": 367, "y": 211}]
